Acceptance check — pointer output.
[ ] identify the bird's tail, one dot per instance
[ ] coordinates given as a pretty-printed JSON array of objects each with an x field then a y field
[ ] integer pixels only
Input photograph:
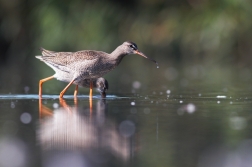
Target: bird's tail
[
  {"x": 39, "y": 57},
  {"x": 46, "y": 52}
]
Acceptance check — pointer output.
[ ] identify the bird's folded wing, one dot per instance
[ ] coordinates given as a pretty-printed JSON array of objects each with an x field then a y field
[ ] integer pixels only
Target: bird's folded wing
[{"x": 69, "y": 61}]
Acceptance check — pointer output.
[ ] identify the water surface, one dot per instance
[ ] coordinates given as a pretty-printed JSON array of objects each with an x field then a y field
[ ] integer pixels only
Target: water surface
[{"x": 163, "y": 128}]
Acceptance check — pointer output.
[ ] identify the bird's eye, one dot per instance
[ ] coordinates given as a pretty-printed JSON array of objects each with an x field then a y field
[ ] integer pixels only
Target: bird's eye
[{"x": 133, "y": 47}]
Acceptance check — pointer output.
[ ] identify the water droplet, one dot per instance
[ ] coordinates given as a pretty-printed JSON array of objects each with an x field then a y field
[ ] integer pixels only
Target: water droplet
[
  {"x": 26, "y": 118},
  {"x": 190, "y": 108},
  {"x": 136, "y": 84},
  {"x": 55, "y": 105}
]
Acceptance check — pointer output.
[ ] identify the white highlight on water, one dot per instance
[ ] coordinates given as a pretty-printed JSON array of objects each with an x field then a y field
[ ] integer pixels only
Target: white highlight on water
[
  {"x": 221, "y": 97},
  {"x": 168, "y": 91}
]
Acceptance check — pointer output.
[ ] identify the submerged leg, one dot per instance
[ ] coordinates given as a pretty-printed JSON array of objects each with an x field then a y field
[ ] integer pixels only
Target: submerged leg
[
  {"x": 76, "y": 91},
  {"x": 65, "y": 89},
  {"x": 41, "y": 83}
]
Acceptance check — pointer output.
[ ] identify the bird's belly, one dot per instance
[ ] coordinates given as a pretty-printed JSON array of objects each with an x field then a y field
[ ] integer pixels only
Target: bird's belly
[
  {"x": 96, "y": 71},
  {"x": 68, "y": 77},
  {"x": 63, "y": 76}
]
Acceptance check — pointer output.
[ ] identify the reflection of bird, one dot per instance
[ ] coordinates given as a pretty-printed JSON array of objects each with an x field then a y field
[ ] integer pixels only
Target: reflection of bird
[
  {"x": 74, "y": 67},
  {"x": 72, "y": 128}
]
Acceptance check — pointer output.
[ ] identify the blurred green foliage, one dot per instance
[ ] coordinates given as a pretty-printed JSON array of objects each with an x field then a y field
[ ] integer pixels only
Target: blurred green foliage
[{"x": 194, "y": 41}]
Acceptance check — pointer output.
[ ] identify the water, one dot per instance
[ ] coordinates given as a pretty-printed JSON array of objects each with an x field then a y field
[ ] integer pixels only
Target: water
[{"x": 162, "y": 128}]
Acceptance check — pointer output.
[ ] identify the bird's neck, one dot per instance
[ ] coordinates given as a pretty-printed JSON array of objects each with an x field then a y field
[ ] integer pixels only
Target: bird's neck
[{"x": 117, "y": 55}]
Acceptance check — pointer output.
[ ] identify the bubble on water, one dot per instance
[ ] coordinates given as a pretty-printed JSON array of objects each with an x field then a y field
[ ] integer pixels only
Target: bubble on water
[
  {"x": 181, "y": 101},
  {"x": 12, "y": 105},
  {"x": 26, "y": 89},
  {"x": 136, "y": 84},
  {"x": 238, "y": 123},
  {"x": 157, "y": 66},
  {"x": 199, "y": 94},
  {"x": 132, "y": 103},
  {"x": 55, "y": 105},
  {"x": 218, "y": 102},
  {"x": 190, "y": 108},
  {"x": 127, "y": 128},
  {"x": 168, "y": 91},
  {"x": 25, "y": 118},
  {"x": 230, "y": 102}
]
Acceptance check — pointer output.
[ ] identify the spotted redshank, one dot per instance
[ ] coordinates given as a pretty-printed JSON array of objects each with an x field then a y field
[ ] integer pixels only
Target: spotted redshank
[{"x": 74, "y": 67}]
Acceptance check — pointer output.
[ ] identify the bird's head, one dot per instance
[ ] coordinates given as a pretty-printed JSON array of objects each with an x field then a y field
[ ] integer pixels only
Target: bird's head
[
  {"x": 131, "y": 48},
  {"x": 102, "y": 86}
]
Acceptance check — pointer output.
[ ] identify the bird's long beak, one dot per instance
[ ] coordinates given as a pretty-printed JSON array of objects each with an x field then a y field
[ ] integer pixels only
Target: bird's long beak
[{"x": 143, "y": 55}]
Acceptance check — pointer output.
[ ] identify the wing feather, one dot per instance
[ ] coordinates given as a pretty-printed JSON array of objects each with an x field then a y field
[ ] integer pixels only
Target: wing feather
[{"x": 69, "y": 61}]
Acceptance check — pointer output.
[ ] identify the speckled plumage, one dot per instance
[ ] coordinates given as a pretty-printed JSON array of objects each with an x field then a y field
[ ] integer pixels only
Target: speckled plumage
[
  {"x": 78, "y": 66},
  {"x": 100, "y": 84}
]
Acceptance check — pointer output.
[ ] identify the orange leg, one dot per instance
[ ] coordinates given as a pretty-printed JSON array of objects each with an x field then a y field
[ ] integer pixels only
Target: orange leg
[
  {"x": 91, "y": 96},
  {"x": 91, "y": 89},
  {"x": 41, "y": 83},
  {"x": 65, "y": 89},
  {"x": 76, "y": 91}
]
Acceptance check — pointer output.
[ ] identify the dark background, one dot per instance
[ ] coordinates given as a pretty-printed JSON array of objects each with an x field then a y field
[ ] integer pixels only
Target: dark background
[{"x": 195, "y": 42}]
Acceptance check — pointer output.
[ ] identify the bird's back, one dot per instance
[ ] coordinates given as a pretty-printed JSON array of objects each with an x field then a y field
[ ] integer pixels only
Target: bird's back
[{"x": 85, "y": 63}]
